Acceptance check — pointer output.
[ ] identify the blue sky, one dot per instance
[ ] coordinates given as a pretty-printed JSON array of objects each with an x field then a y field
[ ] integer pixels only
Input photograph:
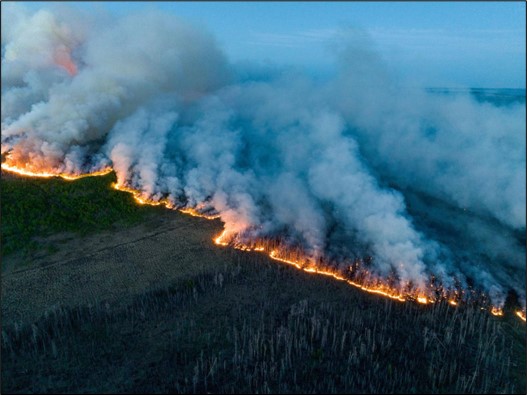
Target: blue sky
[{"x": 478, "y": 44}]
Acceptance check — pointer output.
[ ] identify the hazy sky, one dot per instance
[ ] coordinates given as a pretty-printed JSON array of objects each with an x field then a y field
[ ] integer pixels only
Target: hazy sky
[{"x": 478, "y": 44}]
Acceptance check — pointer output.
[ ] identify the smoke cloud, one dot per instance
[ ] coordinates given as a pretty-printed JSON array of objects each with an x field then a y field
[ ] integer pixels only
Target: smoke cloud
[{"x": 357, "y": 166}]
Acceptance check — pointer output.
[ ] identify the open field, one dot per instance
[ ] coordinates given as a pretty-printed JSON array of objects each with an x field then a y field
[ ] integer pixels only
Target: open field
[
  {"x": 154, "y": 305},
  {"x": 111, "y": 265}
]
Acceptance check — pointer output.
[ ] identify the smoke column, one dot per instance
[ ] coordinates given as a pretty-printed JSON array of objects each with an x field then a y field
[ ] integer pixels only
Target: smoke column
[{"x": 424, "y": 184}]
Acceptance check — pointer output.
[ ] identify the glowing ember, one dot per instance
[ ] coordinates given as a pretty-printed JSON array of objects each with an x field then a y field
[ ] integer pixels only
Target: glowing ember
[{"x": 452, "y": 302}]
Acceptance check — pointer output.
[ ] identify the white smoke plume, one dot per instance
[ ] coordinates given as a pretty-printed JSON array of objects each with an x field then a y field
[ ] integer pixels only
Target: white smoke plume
[{"x": 357, "y": 166}]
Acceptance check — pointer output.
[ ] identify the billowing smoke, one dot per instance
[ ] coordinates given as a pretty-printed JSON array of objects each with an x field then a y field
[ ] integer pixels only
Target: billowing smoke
[{"x": 426, "y": 185}]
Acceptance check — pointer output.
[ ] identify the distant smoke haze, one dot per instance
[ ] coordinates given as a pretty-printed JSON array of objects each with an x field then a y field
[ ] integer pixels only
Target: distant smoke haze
[{"x": 354, "y": 166}]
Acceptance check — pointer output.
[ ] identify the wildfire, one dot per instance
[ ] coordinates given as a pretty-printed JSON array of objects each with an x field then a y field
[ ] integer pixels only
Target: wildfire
[
  {"x": 134, "y": 193},
  {"x": 141, "y": 199},
  {"x": 274, "y": 255},
  {"x": 368, "y": 284},
  {"x": 196, "y": 213},
  {"x": 380, "y": 290},
  {"x": 43, "y": 174},
  {"x": 219, "y": 240},
  {"x": 422, "y": 299},
  {"x": 497, "y": 311},
  {"x": 521, "y": 314}
]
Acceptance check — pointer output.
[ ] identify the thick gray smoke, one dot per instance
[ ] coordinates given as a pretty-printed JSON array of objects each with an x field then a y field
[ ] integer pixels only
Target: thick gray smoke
[{"x": 357, "y": 166}]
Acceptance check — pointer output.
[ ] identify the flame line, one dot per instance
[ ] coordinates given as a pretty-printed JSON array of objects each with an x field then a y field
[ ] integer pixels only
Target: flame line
[
  {"x": 382, "y": 290},
  {"x": 65, "y": 176},
  {"x": 521, "y": 314}
]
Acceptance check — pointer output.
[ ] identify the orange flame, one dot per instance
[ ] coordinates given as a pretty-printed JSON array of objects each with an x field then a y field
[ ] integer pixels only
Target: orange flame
[
  {"x": 422, "y": 299},
  {"x": 497, "y": 311},
  {"x": 521, "y": 314},
  {"x": 195, "y": 213},
  {"x": 219, "y": 240},
  {"x": 43, "y": 174},
  {"x": 379, "y": 289},
  {"x": 139, "y": 198}
]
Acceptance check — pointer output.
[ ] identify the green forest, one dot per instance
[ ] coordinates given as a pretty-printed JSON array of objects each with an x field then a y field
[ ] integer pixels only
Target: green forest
[{"x": 42, "y": 206}]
